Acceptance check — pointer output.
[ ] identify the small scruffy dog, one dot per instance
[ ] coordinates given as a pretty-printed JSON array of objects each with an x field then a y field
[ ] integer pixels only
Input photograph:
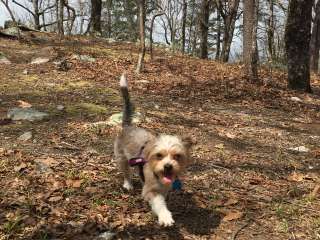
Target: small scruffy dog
[{"x": 164, "y": 158}]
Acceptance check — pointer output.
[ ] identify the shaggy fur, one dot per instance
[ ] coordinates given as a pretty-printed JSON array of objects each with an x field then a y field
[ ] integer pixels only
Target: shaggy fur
[{"x": 166, "y": 156}]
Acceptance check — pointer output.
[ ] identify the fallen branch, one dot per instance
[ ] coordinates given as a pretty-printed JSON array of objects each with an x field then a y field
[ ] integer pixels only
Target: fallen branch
[{"x": 235, "y": 234}]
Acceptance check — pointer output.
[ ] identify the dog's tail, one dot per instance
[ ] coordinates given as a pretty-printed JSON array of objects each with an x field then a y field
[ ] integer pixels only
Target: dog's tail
[{"x": 128, "y": 106}]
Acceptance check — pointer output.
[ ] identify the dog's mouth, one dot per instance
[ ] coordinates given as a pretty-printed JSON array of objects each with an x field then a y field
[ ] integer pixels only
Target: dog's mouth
[{"x": 168, "y": 176}]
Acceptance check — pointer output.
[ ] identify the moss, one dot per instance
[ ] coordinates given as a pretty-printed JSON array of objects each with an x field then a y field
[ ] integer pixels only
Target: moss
[{"x": 86, "y": 108}]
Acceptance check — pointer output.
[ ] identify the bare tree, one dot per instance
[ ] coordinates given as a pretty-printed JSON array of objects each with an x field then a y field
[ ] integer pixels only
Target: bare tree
[
  {"x": 151, "y": 32},
  {"x": 228, "y": 11},
  {"x": 203, "y": 26},
  {"x": 297, "y": 41},
  {"x": 250, "y": 51},
  {"x": 142, "y": 12},
  {"x": 6, "y": 4},
  {"x": 183, "y": 30},
  {"x": 36, "y": 12}
]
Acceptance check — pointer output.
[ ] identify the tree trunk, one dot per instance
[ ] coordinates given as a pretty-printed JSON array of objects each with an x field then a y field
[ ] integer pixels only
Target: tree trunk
[
  {"x": 315, "y": 40},
  {"x": 96, "y": 8},
  {"x": 270, "y": 31},
  {"x": 141, "y": 4},
  {"x": 204, "y": 21},
  {"x": 151, "y": 32},
  {"x": 183, "y": 30},
  {"x": 250, "y": 51},
  {"x": 297, "y": 44},
  {"x": 6, "y": 4},
  {"x": 60, "y": 6},
  {"x": 229, "y": 24},
  {"x": 36, "y": 15},
  {"x": 218, "y": 38},
  {"x": 109, "y": 19}
]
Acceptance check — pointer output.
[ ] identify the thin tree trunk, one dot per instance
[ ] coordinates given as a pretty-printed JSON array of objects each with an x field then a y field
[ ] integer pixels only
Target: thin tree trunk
[
  {"x": 141, "y": 4},
  {"x": 270, "y": 31},
  {"x": 250, "y": 23},
  {"x": 204, "y": 21},
  {"x": 6, "y": 4},
  {"x": 151, "y": 32},
  {"x": 315, "y": 40},
  {"x": 297, "y": 44},
  {"x": 183, "y": 30},
  {"x": 36, "y": 15},
  {"x": 60, "y": 17},
  {"x": 218, "y": 43}
]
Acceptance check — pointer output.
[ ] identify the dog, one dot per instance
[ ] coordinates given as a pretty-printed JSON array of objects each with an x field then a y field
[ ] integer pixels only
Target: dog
[{"x": 163, "y": 158}]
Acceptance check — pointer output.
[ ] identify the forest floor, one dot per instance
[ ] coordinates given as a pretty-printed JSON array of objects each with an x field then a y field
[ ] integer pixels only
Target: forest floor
[{"x": 246, "y": 180}]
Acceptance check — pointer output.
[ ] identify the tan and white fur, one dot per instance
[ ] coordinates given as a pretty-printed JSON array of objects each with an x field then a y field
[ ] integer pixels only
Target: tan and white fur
[{"x": 166, "y": 157}]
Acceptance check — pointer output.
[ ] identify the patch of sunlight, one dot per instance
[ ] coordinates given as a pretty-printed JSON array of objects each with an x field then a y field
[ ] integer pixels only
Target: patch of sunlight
[
  {"x": 30, "y": 77},
  {"x": 86, "y": 108}
]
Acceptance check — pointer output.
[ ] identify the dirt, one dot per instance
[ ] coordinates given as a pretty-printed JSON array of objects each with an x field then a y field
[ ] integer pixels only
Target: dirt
[{"x": 244, "y": 182}]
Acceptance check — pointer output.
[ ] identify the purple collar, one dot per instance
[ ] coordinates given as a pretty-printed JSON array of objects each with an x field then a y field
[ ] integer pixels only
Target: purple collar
[{"x": 137, "y": 161}]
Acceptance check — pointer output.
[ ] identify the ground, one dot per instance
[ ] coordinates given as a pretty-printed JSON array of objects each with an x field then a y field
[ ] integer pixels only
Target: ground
[{"x": 244, "y": 182}]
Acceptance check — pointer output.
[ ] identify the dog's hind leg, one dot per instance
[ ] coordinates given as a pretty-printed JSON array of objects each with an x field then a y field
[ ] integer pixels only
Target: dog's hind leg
[{"x": 124, "y": 168}]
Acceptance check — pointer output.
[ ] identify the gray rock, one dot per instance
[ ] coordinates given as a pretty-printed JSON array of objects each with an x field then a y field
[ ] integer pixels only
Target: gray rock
[
  {"x": 39, "y": 60},
  {"x": 84, "y": 58},
  {"x": 25, "y": 137},
  {"x": 105, "y": 236},
  {"x": 28, "y": 114},
  {"x": 60, "y": 107},
  {"x": 12, "y": 31},
  {"x": 301, "y": 149}
]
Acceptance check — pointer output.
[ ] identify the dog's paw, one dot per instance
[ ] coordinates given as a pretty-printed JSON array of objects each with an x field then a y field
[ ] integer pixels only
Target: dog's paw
[
  {"x": 127, "y": 185},
  {"x": 165, "y": 219}
]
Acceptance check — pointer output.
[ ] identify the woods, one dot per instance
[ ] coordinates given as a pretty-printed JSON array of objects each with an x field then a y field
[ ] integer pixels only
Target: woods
[{"x": 207, "y": 29}]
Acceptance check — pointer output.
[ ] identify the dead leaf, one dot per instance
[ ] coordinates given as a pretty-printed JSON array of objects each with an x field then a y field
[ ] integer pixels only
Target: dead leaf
[
  {"x": 219, "y": 146},
  {"x": 74, "y": 183},
  {"x": 296, "y": 177},
  {"x": 49, "y": 161},
  {"x": 20, "y": 167},
  {"x": 315, "y": 192},
  {"x": 230, "y": 202},
  {"x": 55, "y": 199},
  {"x": 24, "y": 104},
  {"x": 230, "y": 135},
  {"x": 233, "y": 215}
]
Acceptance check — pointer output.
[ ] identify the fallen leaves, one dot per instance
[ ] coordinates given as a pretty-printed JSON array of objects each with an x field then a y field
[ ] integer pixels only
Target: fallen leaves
[{"x": 232, "y": 215}]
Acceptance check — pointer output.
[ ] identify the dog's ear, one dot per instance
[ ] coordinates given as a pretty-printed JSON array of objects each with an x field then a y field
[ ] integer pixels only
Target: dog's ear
[{"x": 187, "y": 141}]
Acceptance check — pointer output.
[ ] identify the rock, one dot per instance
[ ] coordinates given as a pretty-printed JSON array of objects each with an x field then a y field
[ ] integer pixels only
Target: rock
[
  {"x": 25, "y": 137},
  {"x": 40, "y": 60},
  {"x": 84, "y": 58},
  {"x": 105, "y": 236},
  {"x": 60, "y": 107},
  {"x": 12, "y": 31},
  {"x": 9, "y": 24},
  {"x": 28, "y": 114},
  {"x": 116, "y": 119},
  {"x": 301, "y": 149},
  {"x": 295, "y": 99}
]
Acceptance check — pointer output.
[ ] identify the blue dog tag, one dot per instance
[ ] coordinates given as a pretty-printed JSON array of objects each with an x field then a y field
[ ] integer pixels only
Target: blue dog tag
[{"x": 177, "y": 185}]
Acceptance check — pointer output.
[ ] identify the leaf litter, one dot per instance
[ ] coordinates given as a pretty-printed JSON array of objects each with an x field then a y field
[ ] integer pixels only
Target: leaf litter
[{"x": 57, "y": 187}]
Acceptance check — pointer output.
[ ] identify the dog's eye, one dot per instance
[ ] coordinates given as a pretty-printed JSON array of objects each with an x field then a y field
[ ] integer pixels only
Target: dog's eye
[
  {"x": 177, "y": 157},
  {"x": 159, "y": 156}
]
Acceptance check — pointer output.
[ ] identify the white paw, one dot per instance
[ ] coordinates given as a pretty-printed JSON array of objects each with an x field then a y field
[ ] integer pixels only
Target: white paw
[
  {"x": 165, "y": 219},
  {"x": 127, "y": 185}
]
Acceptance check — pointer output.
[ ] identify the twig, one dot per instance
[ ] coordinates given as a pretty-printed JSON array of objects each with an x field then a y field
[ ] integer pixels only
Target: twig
[{"x": 235, "y": 234}]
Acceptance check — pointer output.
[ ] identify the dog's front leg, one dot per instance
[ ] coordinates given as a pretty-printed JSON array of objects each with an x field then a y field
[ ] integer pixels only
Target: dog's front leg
[{"x": 159, "y": 207}]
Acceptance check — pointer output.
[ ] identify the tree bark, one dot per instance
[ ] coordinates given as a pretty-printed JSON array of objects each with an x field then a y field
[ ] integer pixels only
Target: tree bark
[
  {"x": 96, "y": 8},
  {"x": 183, "y": 30},
  {"x": 297, "y": 44},
  {"x": 250, "y": 51},
  {"x": 142, "y": 11},
  {"x": 218, "y": 38},
  {"x": 229, "y": 20},
  {"x": 204, "y": 21},
  {"x": 315, "y": 40},
  {"x": 60, "y": 17},
  {"x": 270, "y": 31}
]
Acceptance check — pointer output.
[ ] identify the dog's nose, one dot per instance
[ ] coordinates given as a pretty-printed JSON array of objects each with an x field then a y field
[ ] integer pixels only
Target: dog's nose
[{"x": 167, "y": 167}]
